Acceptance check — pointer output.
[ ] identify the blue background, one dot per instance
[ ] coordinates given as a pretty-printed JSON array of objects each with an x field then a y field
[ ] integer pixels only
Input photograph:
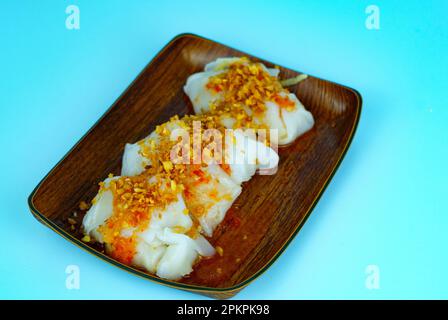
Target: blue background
[{"x": 387, "y": 204}]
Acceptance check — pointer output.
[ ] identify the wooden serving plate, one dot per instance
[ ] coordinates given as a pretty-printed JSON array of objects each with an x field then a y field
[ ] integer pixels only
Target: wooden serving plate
[{"x": 270, "y": 210}]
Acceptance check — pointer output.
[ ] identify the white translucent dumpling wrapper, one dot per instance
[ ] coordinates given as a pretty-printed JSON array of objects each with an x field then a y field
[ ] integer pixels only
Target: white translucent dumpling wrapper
[
  {"x": 99, "y": 212},
  {"x": 244, "y": 155},
  {"x": 180, "y": 254},
  {"x": 209, "y": 193},
  {"x": 163, "y": 236},
  {"x": 289, "y": 123},
  {"x": 156, "y": 244},
  {"x": 196, "y": 90},
  {"x": 151, "y": 248},
  {"x": 134, "y": 162}
]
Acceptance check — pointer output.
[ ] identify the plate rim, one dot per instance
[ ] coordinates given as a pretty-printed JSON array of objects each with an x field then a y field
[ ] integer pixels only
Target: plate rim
[{"x": 183, "y": 286}]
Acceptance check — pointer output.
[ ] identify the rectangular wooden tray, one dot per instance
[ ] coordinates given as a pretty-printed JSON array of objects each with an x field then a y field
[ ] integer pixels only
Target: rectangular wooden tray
[{"x": 270, "y": 210}]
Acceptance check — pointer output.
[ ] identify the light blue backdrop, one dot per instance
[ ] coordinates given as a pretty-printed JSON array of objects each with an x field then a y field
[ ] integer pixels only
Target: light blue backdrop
[{"x": 386, "y": 206}]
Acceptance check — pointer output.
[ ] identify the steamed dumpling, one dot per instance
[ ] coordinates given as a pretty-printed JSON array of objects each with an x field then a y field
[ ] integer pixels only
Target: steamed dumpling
[
  {"x": 164, "y": 234},
  {"x": 242, "y": 154},
  {"x": 290, "y": 122}
]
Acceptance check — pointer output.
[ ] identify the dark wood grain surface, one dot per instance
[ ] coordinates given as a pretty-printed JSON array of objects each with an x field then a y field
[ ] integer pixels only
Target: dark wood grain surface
[{"x": 270, "y": 209}]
